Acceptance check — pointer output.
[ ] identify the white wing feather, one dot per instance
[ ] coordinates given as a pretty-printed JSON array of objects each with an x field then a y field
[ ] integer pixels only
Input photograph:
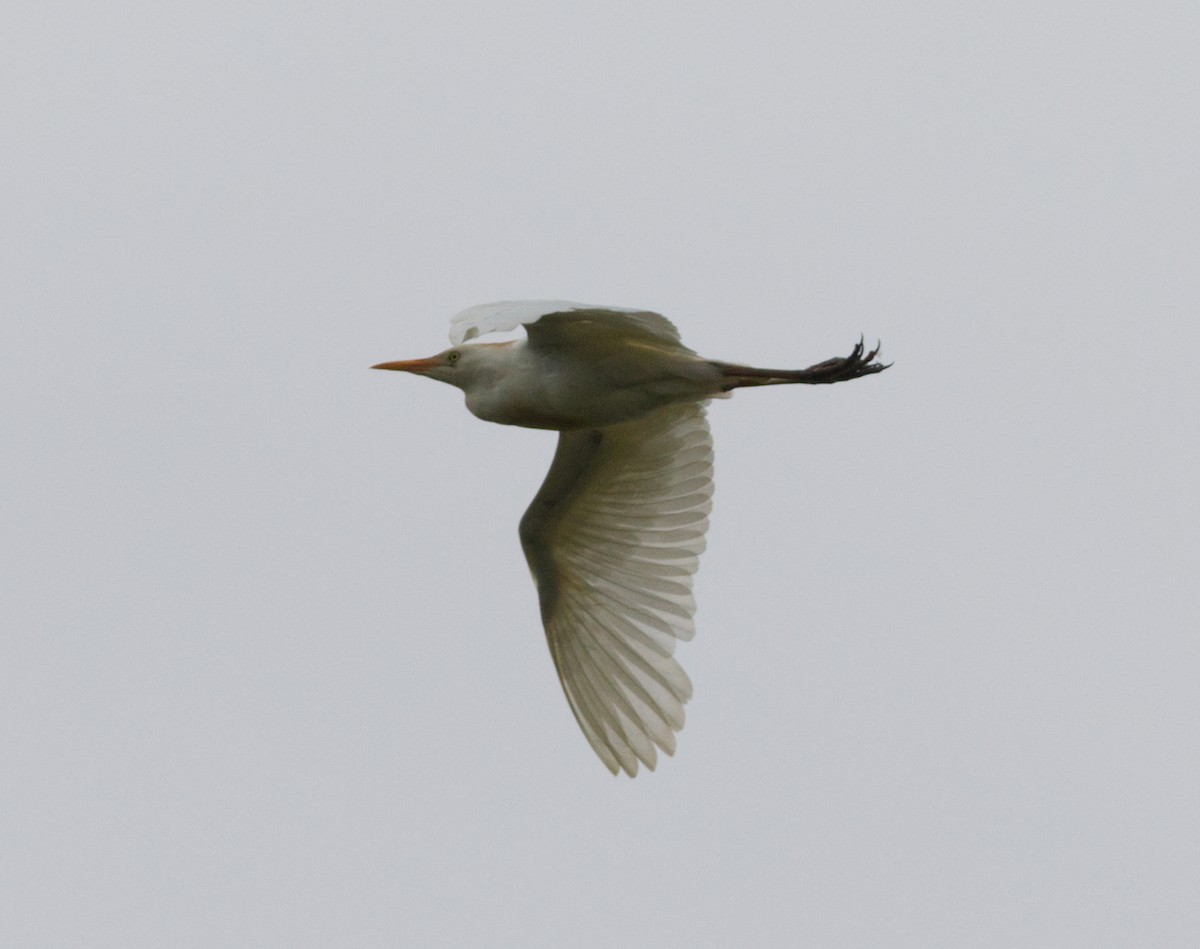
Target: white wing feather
[
  {"x": 509, "y": 314},
  {"x": 613, "y": 538}
]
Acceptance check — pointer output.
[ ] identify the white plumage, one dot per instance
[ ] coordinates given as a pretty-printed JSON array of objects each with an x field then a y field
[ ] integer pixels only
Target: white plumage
[
  {"x": 614, "y": 570},
  {"x": 615, "y": 533}
]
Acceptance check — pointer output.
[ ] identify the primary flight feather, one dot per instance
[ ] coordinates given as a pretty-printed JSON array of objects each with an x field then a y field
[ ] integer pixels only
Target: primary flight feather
[{"x": 616, "y": 530}]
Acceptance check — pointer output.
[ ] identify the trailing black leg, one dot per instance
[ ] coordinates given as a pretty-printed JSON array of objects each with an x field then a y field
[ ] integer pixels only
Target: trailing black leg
[{"x": 839, "y": 369}]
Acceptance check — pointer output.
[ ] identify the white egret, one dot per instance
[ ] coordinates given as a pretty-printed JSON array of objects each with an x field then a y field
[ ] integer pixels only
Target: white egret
[{"x": 614, "y": 535}]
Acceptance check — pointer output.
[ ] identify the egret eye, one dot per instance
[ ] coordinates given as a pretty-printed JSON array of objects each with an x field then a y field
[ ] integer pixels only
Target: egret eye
[{"x": 453, "y": 356}]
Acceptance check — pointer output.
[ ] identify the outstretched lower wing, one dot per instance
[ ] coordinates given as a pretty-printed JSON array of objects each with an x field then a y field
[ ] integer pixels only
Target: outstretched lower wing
[
  {"x": 509, "y": 314},
  {"x": 613, "y": 538}
]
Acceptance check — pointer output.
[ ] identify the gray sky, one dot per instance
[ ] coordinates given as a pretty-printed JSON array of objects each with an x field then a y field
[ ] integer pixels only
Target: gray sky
[{"x": 272, "y": 668}]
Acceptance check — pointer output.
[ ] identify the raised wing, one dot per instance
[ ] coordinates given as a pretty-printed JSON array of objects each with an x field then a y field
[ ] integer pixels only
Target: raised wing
[
  {"x": 613, "y": 538},
  {"x": 509, "y": 314}
]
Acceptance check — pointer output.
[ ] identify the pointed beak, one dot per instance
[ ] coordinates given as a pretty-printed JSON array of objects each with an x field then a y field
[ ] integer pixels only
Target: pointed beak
[{"x": 419, "y": 366}]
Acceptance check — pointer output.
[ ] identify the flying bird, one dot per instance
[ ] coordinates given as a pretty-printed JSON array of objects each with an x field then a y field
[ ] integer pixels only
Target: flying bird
[{"x": 615, "y": 532}]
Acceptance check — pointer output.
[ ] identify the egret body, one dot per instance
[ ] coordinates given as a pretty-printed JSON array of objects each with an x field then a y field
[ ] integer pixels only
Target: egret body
[{"x": 615, "y": 532}]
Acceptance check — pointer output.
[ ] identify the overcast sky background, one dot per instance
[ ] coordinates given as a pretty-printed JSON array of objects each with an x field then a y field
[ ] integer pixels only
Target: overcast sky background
[{"x": 272, "y": 672}]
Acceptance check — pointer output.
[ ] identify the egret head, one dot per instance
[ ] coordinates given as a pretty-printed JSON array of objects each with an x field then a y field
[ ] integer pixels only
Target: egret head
[{"x": 458, "y": 366}]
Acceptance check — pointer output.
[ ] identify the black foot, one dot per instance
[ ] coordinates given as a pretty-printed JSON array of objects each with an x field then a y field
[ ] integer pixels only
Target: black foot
[{"x": 841, "y": 368}]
